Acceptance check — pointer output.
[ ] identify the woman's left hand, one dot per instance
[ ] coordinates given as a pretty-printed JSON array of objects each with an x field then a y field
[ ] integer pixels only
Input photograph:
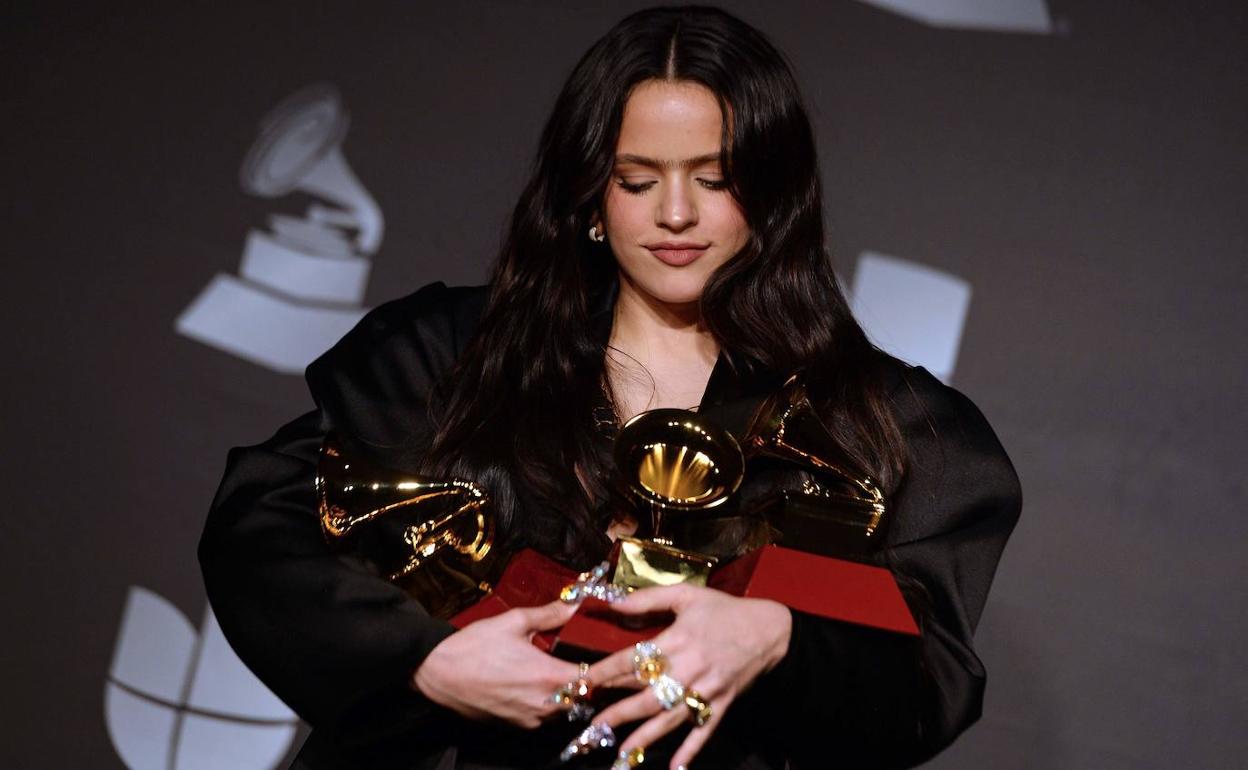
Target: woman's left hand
[{"x": 717, "y": 646}]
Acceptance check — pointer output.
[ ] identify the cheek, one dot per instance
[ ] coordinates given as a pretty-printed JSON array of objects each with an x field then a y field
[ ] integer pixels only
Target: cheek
[
  {"x": 731, "y": 218},
  {"x": 627, "y": 213}
]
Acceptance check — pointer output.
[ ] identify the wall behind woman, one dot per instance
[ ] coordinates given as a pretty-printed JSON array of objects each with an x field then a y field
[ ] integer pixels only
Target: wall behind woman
[{"x": 1080, "y": 175}]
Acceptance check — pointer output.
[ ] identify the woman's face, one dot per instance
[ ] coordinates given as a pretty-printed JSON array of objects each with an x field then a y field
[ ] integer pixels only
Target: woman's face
[{"x": 668, "y": 217}]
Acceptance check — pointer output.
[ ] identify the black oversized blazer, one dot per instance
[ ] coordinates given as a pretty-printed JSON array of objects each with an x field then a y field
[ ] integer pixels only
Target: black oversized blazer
[{"x": 339, "y": 644}]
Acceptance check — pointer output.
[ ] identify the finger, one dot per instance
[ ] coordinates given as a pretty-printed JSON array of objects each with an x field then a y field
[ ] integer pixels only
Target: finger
[
  {"x": 617, "y": 669},
  {"x": 625, "y": 681},
  {"x": 538, "y": 698},
  {"x": 657, "y": 599},
  {"x": 615, "y": 666},
  {"x": 698, "y": 736},
  {"x": 549, "y": 707},
  {"x": 655, "y": 728},
  {"x": 552, "y": 674},
  {"x": 562, "y": 681},
  {"x": 547, "y": 616},
  {"x": 636, "y": 706}
]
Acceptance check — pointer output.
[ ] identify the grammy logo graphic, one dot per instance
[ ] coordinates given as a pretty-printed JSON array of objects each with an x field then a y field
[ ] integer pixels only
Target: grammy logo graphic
[
  {"x": 912, "y": 310},
  {"x": 177, "y": 698},
  {"x": 301, "y": 283},
  {"x": 1015, "y": 16}
]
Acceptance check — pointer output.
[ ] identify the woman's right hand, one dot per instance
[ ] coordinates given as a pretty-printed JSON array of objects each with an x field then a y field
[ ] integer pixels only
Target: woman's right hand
[{"x": 490, "y": 668}]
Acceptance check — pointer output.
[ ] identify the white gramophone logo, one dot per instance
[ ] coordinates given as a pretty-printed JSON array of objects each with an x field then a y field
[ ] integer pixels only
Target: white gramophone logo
[
  {"x": 177, "y": 699},
  {"x": 301, "y": 283},
  {"x": 1018, "y": 16},
  {"x": 913, "y": 311}
]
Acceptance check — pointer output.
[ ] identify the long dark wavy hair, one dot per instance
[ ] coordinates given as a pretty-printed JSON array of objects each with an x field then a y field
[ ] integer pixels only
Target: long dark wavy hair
[{"x": 516, "y": 410}]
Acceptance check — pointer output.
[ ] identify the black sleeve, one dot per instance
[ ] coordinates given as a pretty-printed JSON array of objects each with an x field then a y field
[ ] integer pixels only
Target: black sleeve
[
  {"x": 334, "y": 640},
  {"x": 856, "y": 697}
]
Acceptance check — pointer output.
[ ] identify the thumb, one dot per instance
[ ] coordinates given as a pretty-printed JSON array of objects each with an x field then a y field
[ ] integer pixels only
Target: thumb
[{"x": 547, "y": 616}]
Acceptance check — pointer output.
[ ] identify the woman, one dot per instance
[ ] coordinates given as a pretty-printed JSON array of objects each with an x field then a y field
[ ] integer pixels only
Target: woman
[{"x": 667, "y": 252}]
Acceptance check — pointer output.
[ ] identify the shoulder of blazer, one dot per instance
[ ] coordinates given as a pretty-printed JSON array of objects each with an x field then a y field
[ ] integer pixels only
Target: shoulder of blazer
[{"x": 376, "y": 381}]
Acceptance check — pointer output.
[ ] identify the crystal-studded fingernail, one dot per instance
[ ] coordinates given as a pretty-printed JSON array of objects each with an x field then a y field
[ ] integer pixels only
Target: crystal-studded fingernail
[
  {"x": 593, "y": 737},
  {"x": 608, "y": 593},
  {"x": 593, "y": 584}
]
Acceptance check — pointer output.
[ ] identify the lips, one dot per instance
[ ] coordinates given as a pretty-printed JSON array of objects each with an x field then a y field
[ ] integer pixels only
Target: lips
[{"x": 677, "y": 253}]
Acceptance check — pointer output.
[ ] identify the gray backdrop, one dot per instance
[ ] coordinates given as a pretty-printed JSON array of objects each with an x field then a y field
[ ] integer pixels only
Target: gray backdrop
[{"x": 1074, "y": 173}]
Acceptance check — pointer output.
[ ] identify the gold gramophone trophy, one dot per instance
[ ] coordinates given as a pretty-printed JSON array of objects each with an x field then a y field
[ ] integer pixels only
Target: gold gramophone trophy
[
  {"x": 433, "y": 537},
  {"x": 838, "y": 510},
  {"x": 801, "y": 544},
  {"x": 681, "y": 468},
  {"x": 678, "y": 469},
  {"x": 436, "y": 537}
]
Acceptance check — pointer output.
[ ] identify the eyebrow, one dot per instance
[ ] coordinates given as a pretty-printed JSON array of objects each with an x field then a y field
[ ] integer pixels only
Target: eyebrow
[{"x": 665, "y": 164}]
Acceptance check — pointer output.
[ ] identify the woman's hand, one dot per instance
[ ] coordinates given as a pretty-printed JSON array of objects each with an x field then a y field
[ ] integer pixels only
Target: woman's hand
[
  {"x": 718, "y": 645},
  {"x": 490, "y": 668}
]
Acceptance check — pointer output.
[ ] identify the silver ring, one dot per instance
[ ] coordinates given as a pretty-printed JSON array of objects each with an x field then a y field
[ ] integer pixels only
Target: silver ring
[{"x": 669, "y": 691}]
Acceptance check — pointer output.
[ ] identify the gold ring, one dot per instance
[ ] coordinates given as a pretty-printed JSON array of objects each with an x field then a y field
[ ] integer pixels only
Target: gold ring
[
  {"x": 700, "y": 709},
  {"x": 626, "y": 760},
  {"x": 575, "y": 696},
  {"x": 648, "y": 662}
]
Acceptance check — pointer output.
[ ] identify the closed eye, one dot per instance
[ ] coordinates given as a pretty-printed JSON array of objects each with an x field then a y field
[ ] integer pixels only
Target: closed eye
[
  {"x": 635, "y": 189},
  {"x": 639, "y": 188}
]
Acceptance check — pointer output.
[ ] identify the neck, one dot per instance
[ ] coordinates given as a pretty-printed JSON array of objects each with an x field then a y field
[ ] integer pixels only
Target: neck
[{"x": 647, "y": 328}]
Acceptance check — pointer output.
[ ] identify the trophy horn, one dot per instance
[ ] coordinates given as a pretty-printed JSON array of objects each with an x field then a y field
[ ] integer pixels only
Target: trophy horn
[
  {"x": 405, "y": 520},
  {"x": 787, "y": 427},
  {"x": 675, "y": 463}
]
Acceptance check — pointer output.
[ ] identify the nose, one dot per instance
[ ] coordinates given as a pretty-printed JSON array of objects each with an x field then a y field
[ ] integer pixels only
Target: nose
[{"x": 677, "y": 211}]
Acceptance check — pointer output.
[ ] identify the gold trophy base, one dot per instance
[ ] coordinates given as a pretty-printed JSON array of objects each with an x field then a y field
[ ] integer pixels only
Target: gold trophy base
[{"x": 638, "y": 563}]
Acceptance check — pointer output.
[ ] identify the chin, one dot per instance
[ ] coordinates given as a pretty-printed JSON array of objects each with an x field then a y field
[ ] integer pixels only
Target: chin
[{"x": 679, "y": 291}]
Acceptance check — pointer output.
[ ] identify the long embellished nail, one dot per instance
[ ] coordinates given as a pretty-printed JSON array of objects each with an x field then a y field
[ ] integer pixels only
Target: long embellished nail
[
  {"x": 593, "y": 584},
  {"x": 593, "y": 737}
]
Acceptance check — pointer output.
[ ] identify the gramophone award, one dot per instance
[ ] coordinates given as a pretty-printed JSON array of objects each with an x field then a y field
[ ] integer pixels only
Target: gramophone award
[{"x": 802, "y": 544}]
